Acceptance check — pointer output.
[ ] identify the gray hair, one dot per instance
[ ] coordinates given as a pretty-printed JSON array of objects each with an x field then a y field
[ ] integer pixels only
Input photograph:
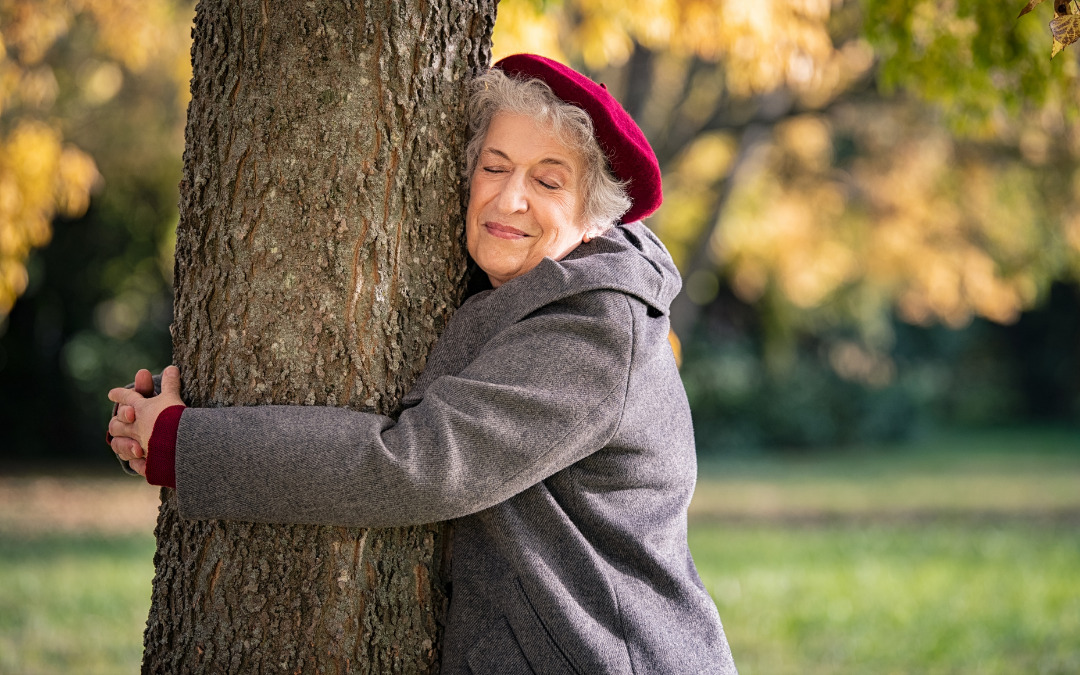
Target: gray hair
[{"x": 604, "y": 198}]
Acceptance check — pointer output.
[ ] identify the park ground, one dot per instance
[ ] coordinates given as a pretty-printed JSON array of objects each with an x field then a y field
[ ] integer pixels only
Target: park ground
[{"x": 957, "y": 553}]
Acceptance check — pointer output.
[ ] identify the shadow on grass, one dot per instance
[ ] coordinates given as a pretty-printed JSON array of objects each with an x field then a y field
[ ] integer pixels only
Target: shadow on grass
[{"x": 18, "y": 548}]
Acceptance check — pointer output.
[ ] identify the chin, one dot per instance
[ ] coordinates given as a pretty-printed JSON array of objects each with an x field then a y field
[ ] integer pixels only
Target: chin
[
  {"x": 494, "y": 264},
  {"x": 499, "y": 276},
  {"x": 499, "y": 273}
]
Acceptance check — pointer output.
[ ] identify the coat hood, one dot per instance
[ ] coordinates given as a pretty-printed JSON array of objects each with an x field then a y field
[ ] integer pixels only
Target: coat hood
[{"x": 629, "y": 258}]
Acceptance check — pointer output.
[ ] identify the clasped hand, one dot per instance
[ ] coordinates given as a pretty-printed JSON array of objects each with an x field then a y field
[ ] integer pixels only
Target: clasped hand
[{"x": 137, "y": 412}]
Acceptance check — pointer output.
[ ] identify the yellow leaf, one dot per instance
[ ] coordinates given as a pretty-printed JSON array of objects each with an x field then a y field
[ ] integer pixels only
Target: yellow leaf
[{"x": 1066, "y": 30}]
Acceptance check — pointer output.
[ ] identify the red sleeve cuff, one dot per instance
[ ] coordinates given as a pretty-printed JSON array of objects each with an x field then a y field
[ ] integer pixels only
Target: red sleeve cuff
[{"x": 161, "y": 455}]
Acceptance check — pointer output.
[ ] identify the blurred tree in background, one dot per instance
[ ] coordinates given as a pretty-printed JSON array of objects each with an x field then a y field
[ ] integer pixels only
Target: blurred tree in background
[
  {"x": 93, "y": 95},
  {"x": 875, "y": 205}
]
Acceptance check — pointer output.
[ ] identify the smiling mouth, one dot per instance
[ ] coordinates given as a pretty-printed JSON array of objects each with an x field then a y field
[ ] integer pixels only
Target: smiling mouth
[{"x": 503, "y": 231}]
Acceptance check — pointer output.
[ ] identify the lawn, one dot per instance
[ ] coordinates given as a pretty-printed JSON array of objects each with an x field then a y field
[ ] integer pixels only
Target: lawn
[
  {"x": 72, "y": 603},
  {"x": 956, "y": 555},
  {"x": 896, "y": 598},
  {"x": 960, "y": 554}
]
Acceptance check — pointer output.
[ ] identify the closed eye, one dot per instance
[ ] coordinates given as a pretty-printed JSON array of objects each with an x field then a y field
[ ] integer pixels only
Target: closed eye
[{"x": 548, "y": 186}]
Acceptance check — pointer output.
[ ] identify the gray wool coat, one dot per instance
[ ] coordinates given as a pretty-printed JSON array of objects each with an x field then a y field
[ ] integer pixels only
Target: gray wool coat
[{"x": 551, "y": 424}]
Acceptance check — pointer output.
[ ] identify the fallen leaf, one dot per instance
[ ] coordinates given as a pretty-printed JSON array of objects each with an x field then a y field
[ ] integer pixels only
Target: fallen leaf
[
  {"x": 1030, "y": 6},
  {"x": 1066, "y": 30}
]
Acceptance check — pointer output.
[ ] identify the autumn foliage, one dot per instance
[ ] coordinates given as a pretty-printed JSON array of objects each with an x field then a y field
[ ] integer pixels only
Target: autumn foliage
[{"x": 59, "y": 58}]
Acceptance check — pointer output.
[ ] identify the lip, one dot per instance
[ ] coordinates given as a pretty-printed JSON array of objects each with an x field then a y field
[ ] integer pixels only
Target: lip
[{"x": 503, "y": 231}]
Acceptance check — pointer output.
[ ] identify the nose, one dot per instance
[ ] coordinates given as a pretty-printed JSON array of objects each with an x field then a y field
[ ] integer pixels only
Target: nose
[{"x": 512, "y": 194}]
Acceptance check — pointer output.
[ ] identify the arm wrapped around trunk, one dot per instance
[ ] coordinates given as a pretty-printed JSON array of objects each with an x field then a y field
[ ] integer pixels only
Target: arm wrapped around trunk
[{"x": 544, "y": 393}]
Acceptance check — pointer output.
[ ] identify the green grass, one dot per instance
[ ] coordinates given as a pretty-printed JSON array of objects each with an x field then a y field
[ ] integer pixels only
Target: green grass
[
  {"x": 896, "y": 599},
  {"x": 957, "y": 555},
  {"x": 1004, "y": 473},
  {"x": 73, "y": 604}
]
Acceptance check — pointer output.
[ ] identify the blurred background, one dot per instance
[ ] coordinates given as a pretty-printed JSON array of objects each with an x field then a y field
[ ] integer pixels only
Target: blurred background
[{"x": 876, "y": 209}]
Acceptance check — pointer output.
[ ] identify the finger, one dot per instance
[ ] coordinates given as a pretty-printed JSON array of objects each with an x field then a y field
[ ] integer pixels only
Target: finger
[
  {"x": 170, "y": 381},
  {"x": 127, "y": 449},
  {"x": 144, "y": 383},
  {"x": 125, "y": 396},
  {"x": 138, "y": 466},
  {"x": 126, "y": 414},
  {"x": 118, "y": 428}
]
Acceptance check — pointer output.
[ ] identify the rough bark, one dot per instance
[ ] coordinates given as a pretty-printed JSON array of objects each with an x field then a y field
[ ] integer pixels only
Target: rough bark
[{"x": 319, "y": 253}]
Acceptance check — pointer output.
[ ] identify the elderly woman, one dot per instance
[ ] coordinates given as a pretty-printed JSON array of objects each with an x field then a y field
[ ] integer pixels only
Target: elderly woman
[{"x": 550, "y": 422}]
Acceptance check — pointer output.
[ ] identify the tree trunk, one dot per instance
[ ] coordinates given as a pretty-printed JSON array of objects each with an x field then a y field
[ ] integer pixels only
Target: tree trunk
[{"x": 319, "y": 254}]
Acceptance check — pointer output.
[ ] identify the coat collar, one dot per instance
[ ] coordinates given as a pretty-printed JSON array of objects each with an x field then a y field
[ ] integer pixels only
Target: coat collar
[{"x": 629, "y": 259}]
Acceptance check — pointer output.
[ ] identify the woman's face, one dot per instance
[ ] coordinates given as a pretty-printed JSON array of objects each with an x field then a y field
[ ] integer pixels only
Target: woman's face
[{"x": 524, "y": 199}]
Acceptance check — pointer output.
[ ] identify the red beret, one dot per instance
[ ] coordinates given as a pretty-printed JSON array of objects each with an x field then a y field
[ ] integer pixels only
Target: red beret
[{"x": 629, "y": 154}]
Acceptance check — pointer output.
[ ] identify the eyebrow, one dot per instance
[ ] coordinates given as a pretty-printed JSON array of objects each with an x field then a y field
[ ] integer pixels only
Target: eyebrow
[{"x": 547, "y": 160}]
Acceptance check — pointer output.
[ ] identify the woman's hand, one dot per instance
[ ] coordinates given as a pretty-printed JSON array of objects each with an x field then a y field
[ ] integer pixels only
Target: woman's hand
[
  {"x": 126, "y": 447},
  {"x": 136, "y": 414}
]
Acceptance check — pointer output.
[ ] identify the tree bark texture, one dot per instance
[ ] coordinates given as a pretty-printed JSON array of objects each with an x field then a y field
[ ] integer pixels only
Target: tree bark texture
[{"x": 319, "y": 254}]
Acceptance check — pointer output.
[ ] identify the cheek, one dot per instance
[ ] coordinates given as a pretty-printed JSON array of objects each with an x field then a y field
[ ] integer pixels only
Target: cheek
[
  {"x": 471, "y": 204},
  {"x": 479, "y": 196},
  {"x": 570, "y": 227},
  {"x": 471, "y": 214}
]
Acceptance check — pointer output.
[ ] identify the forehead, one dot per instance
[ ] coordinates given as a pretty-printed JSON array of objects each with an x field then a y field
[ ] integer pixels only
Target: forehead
[{"x": 527, "y": 140}]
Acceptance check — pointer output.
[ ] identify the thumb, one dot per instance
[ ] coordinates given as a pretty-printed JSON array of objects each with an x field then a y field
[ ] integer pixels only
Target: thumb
[
  {"x": 144, "y": 383},
  {"x": 170, "y": 381}
]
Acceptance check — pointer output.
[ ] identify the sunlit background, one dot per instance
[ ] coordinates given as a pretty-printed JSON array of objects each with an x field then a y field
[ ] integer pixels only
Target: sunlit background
[{"x": 875, "y": 207}]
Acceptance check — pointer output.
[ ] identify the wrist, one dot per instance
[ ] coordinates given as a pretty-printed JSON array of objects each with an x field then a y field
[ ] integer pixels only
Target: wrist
[{"x": 161, "y": 450}]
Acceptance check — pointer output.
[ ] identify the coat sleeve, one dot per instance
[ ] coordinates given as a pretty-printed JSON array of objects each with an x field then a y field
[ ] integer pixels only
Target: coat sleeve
[{"x": 544, "y": 393}]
